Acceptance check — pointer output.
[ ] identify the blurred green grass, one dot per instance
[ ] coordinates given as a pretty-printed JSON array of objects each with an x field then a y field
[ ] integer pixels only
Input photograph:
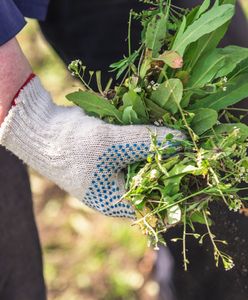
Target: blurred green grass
[{"x": 245, "y": 6}]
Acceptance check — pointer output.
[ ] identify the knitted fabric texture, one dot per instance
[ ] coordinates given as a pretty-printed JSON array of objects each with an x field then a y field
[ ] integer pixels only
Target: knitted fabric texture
[{"x": 83, "y": 155}]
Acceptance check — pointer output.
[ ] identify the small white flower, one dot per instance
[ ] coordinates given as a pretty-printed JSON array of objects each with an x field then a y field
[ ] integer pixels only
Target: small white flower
[
  {"x": 224, "y": 88},
  {"x": 137, "y": 180},
  {"x": 155, "y": 86},
  {"x": 154, "y": 174}
]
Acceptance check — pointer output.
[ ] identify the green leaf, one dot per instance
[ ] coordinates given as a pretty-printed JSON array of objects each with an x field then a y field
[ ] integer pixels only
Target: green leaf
[
  {"x": 220, "y": 62},
  {"x": 156, "y": 33},
  {"x": 168, "y": 95},
  {"x": 121, "y": 66},
  {"x": 155, "y": 111},
  {"x": 180, "y": 31},
  {"x": 173, "y": 181},
  {"x": 203, "y": 120},
  {"x": 174, "y": 214},
  {"x": 234, "y": 55},
  {"x": 228, "y": 128},
  {"x": 198, "y": 217},
  {"x": 131, "y": 98},
  {"x": 241, "y": 68},
  {"x": 93, "y": 103},
  {"x": 129, "y": 116},
  {"x": 206, "y": 43},
  {"x": 208, "y": 22},
  {"x": 237, "y": 90},
  {"x": 205, "y": 5}
]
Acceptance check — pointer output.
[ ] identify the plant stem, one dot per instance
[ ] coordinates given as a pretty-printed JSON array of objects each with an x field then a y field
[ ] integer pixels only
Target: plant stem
[
  {"x": 216, "y": 250},
  {"x": 85, "y": 84},
  {"x": 185, "y": 261},
  {"x": 129, "y": 39}
]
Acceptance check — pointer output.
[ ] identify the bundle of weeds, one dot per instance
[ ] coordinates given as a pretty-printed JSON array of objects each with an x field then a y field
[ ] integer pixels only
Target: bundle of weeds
[{"x": 178, "y": 77}]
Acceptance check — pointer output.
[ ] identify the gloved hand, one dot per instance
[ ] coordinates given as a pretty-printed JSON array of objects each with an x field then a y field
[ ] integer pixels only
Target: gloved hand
[{"x": 81, "y": 154}]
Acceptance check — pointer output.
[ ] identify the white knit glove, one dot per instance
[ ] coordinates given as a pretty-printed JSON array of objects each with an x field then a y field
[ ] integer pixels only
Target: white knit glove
[{"x": 81, "y": 154}]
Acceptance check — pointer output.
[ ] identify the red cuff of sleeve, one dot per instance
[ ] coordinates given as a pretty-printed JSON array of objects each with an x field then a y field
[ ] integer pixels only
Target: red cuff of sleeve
[{"x": 30, "y": 77}]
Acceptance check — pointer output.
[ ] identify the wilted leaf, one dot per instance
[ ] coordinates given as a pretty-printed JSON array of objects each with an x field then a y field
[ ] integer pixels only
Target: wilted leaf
[{"x": 172, "y": 59}]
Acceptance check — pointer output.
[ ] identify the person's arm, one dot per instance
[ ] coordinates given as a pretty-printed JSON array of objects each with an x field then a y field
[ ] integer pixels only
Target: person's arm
[
  {"x": 14, "y": 70},
  {"x": 14, "y": 67}
]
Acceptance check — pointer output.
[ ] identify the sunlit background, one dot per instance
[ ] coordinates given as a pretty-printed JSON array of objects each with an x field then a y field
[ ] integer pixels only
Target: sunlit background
[{"x": 86, "y": 256}]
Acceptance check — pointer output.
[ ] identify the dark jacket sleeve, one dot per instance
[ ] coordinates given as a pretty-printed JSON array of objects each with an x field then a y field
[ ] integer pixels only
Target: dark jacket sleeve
[{"x": 12, "y": 14}]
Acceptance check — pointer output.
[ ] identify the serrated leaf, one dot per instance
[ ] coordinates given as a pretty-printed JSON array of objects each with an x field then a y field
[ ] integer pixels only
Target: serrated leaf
[
  {"x": 203, "y": 120},
  {"x": 93, "y": 103},
  {"x": 208, "y": 22}
]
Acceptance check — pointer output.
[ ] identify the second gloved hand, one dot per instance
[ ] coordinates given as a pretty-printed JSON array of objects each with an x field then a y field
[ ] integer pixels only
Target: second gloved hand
[{"x": 83, "y": 155}]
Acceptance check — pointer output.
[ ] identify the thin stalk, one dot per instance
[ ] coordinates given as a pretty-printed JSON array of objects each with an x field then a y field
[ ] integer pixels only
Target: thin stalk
[
  {"x": 84, "y": 82},
  {"x": 217, "y": 183},
  {"x": 185, "y": 261},
  {"x": 216, "y": 250},
  {"x": 191, "y": 133},
  {"x": 183, "y": 200},
  {"x": 237, "y": 109},
  {"x": 152, "y": 230},
  {"x": 129, "y": 39}
]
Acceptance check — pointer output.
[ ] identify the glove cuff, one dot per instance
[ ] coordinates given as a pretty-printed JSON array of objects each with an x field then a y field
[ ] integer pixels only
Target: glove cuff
[
  {"x": 25, "y": 121},
  {"x": 30, "y": 77}
]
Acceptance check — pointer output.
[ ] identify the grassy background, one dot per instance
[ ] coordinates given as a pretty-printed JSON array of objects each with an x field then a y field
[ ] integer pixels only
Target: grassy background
[{"x": 86, "y": 256}]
